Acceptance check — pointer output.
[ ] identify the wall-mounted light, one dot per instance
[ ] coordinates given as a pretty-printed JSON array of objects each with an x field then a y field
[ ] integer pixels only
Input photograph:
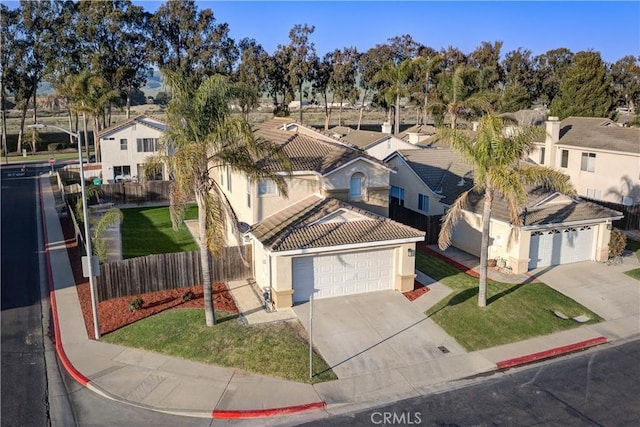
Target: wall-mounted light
[
  {"x": 609, "y": 226},
  {"x": 411, "y": 252}
]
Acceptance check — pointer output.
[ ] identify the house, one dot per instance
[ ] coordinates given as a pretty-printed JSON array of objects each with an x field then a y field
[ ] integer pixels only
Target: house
[
  {"x": 555, "y": 229},
  {"x": 376, "y": 144},
  {"x": 601, "y": 157},
  {"x": 125, "y": 147},
  {"x": 331, "y": 233}
]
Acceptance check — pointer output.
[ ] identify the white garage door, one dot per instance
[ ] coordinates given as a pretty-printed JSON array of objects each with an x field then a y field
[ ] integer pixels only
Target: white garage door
[
  {"x": 342, "y": 274},
  {"x": 561, "y": 246}
]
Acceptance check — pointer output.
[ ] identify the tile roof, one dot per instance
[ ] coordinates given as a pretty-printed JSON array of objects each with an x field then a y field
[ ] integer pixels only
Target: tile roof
[
  {"x": 419, "y": 129},
  {"x": 306, "y": 152},
  {"x": 544, "y": 208},
  {"x": 599, "y": 133},
  {"x": 141, "y": 119},
  {"x": 441, "y": 169},
  {"x": 363, "y": 138},
  {"x": 298, "y": 227}
]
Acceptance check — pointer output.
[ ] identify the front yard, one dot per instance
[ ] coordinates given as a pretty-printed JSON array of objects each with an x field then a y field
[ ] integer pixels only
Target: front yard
[
  {"x": 275, "y": 349},
  {"x": 633, "y": 245},
  {"x": 148, "y": 231},
  {"x": 513, "y": 312}
]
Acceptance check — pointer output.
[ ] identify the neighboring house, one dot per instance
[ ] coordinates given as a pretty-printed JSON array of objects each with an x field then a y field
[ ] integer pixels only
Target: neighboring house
[
  {"x": 555, "y": 229},
  {"x": 125, "y": 147},
  {"x": 331, "y": 232},
  {"x": 419, "y": 134},
  {"x": 601, "y": 157},
  {"x": 428, "y": 180},
  {"x": 376, "y": 144}
]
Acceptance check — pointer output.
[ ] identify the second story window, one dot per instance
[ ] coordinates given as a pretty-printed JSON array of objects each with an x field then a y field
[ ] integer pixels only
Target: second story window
[
  {"x": 588, "y": 162},
  {"x": 248, "y": 192},
  {"x": 356, "y": 187},
  {"x": 123, "y": 144},
  {"x": 229, "y": 178},
  {"x": 397, "y": 195},
  {"x": 423, "y": 203},
  {"x": 266, "y": 186},
  {"x": 146, "y": 145},
  {"x": 564, "y": 160},
  {"x": 542, "y": 152}
]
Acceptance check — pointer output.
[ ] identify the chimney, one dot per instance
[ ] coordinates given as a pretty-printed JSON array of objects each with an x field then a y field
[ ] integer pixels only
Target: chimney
[
  {"x": 386, "y": 127},
  {"x": 552, "y": 137}
]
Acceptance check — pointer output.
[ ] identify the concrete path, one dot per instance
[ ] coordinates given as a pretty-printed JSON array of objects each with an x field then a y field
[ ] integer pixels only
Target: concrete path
[{"x": 362, "y": 334}]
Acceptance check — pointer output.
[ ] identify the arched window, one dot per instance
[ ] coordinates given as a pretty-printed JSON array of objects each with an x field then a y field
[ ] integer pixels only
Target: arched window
[{"x": 356, "y": 187}]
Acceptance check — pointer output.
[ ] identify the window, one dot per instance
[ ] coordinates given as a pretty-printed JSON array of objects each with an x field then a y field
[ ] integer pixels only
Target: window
[
  {"x": 229, "y": 178},
  {"x": 146, "y": 145},
  {"x": 397, "y": 195},
  {"x": 564, "y": 161},
  {"x": 541, "y": 156},
  {"x": 248, "y": 192},
  {"x": 266, "y": 186},
  {"x": 356, "y": 186},
  {"x": 123, "y": 144},
  {"x": 121, "y": 173},
  {"x": 423, "y": 203},
  {"x": 592, "y": 193},
  {"x": 588, "y": 162}
]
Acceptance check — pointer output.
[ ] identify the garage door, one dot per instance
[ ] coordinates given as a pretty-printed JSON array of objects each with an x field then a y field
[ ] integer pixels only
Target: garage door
[
  {"x": 342, "y": 274},
  {"x": 561, "y": 246}
]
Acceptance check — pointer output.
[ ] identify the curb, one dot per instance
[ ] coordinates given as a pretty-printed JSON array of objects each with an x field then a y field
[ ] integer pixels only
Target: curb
[
  {"x": 86, "y": 382},
  {"x": 260, "y": 413},
  {"x": 547, "y": 354}
]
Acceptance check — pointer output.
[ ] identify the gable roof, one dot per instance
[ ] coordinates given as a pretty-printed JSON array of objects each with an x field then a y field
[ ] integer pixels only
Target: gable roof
[
  {"x": 441, "y": 169},
  {"x": 308, "y": 153},
  {"x": 363, "y": 138},
  {"x": 299, "y": 227},
  {"x": 599, "y": 133},
  {"x": 142, "y": 119},
  {"x": 417, "y": 129},
  {"x": 544, "y": 208}
]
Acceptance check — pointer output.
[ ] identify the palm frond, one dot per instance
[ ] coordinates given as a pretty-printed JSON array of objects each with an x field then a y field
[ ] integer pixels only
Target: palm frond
[
  {"x": 547, "y": 178},
  {"x": 450, "y": 219}
]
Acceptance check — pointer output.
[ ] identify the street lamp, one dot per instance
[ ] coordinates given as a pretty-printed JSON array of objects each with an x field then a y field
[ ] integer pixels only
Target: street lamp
[{"x": 89, "y": 258}]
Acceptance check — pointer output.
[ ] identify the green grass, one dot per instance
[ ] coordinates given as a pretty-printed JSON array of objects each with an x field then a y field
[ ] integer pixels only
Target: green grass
[
  {"x": 635, "y": 273},
  {"x": 276, "y": 349},
  {"x": 148, "y": 231},
  {"x": 45, "y": 156},
  {"x": 633, "y": 245},
  {"x": 513, "y": 312}
]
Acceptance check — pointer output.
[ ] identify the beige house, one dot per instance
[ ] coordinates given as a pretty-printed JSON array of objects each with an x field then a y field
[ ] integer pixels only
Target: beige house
[
  {"x": 126, "y": 146},
  {"x": 331, "y": 233},
  {"x": 601, "y": 158},
  {"x": 376, "y": 144}
]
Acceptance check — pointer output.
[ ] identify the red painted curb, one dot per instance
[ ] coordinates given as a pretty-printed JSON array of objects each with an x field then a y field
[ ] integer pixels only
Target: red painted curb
[
  {"x": 509, "y": 363},
  {"x": 471, "y": 272},
  {"x": 273, "y": 412},
  {"x": 75, "y": 374}
]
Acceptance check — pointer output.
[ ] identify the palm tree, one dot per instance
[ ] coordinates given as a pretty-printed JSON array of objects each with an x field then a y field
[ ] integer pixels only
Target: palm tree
[
  {"x": 497, "y": 157},
  {"x": 202, "y": 136},
  {"x": 426, "y": 66},
  {"x": 396, "y": 77}
]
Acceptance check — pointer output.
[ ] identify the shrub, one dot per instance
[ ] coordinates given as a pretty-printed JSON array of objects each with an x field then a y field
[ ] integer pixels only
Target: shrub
[
  {"x": 136, "y": 304},
  {"x": 56, "y": 146},
  {"x": 617, "y": 243},
  {"x": 188, "y": 296}
]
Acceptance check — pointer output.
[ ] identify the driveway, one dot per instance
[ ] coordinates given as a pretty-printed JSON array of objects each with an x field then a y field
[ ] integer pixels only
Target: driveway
[
  {"x": 603, "y": 289},
  {"x": 360, "y": 334}
]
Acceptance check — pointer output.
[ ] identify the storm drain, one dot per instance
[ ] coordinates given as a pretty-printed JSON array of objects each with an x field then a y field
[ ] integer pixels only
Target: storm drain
[{"x": 443, "y": 349}]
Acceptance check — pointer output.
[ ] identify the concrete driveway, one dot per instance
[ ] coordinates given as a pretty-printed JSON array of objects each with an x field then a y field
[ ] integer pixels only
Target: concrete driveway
[
  {"x": 603, "y": 289},
  {"x": 360, "y": 334}
]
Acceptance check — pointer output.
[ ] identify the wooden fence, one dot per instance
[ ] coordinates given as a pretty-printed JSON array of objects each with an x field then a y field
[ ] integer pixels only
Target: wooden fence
[
  {"x": 430, "y": 224},
  {"x": 631, "y": 220},
  {"x": 153, "y": 273},
  {"x": 126, "y": 192}
]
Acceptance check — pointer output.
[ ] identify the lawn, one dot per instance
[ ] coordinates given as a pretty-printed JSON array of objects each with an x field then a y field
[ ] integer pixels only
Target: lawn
[
  {"x": 148, "y": 230},
  {"x": 513, "y": 312},
  {"x": 276, "y": 349},
  {"x": 633, "y": 245}
]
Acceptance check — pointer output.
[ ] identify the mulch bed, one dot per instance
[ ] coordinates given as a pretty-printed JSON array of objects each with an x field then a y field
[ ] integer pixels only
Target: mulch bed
[
  {"x": 115, "y": 313},
  {"x": 418, "y": 290}
]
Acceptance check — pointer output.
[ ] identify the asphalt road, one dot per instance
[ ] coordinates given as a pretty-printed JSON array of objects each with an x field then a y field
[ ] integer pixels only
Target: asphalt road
[
  {"x": 24, "y": 379},
  {"x": 600, "y": 387}
]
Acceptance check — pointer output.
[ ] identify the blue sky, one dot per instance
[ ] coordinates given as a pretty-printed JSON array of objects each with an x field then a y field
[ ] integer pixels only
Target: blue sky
[{"x": 611, "y": 28}]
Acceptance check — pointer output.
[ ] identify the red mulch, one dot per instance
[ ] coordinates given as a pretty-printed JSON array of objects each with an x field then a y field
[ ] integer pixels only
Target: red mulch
[
  {"x": 418, "y": 290},
  {"x": 114, "y": 313}
]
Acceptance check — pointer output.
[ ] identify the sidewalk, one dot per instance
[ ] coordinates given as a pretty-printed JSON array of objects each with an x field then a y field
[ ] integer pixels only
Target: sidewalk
[{"x": 177, "y": 386}]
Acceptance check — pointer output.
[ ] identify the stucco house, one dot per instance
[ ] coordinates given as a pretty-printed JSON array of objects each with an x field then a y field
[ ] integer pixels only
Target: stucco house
[
  {"x": 125, "y": 147},
  {"x": 601, "y": 157},
  {"x": 331, "y": 233},
  {"x": 555, "y": 229},
  {"x": 375, "y": 144}
]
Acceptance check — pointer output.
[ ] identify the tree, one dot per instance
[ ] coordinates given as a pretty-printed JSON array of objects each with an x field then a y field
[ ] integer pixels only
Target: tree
[
  {"x": 499, "y": 169},
  {"x": 625, "y": 74},
  {"x": 549, "y": 69},
  {"x": 342, "y": 80},
  {"x": 205, "y": 137},
  {"x": 519, "y": 90},
  {"x": 585, "y": 89},
  {"x": 396, "y": 77},
  {"x": 424, "y": 66},
  {"x": 301, "y": 55},
  {"x": 251, "y": 75}
]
